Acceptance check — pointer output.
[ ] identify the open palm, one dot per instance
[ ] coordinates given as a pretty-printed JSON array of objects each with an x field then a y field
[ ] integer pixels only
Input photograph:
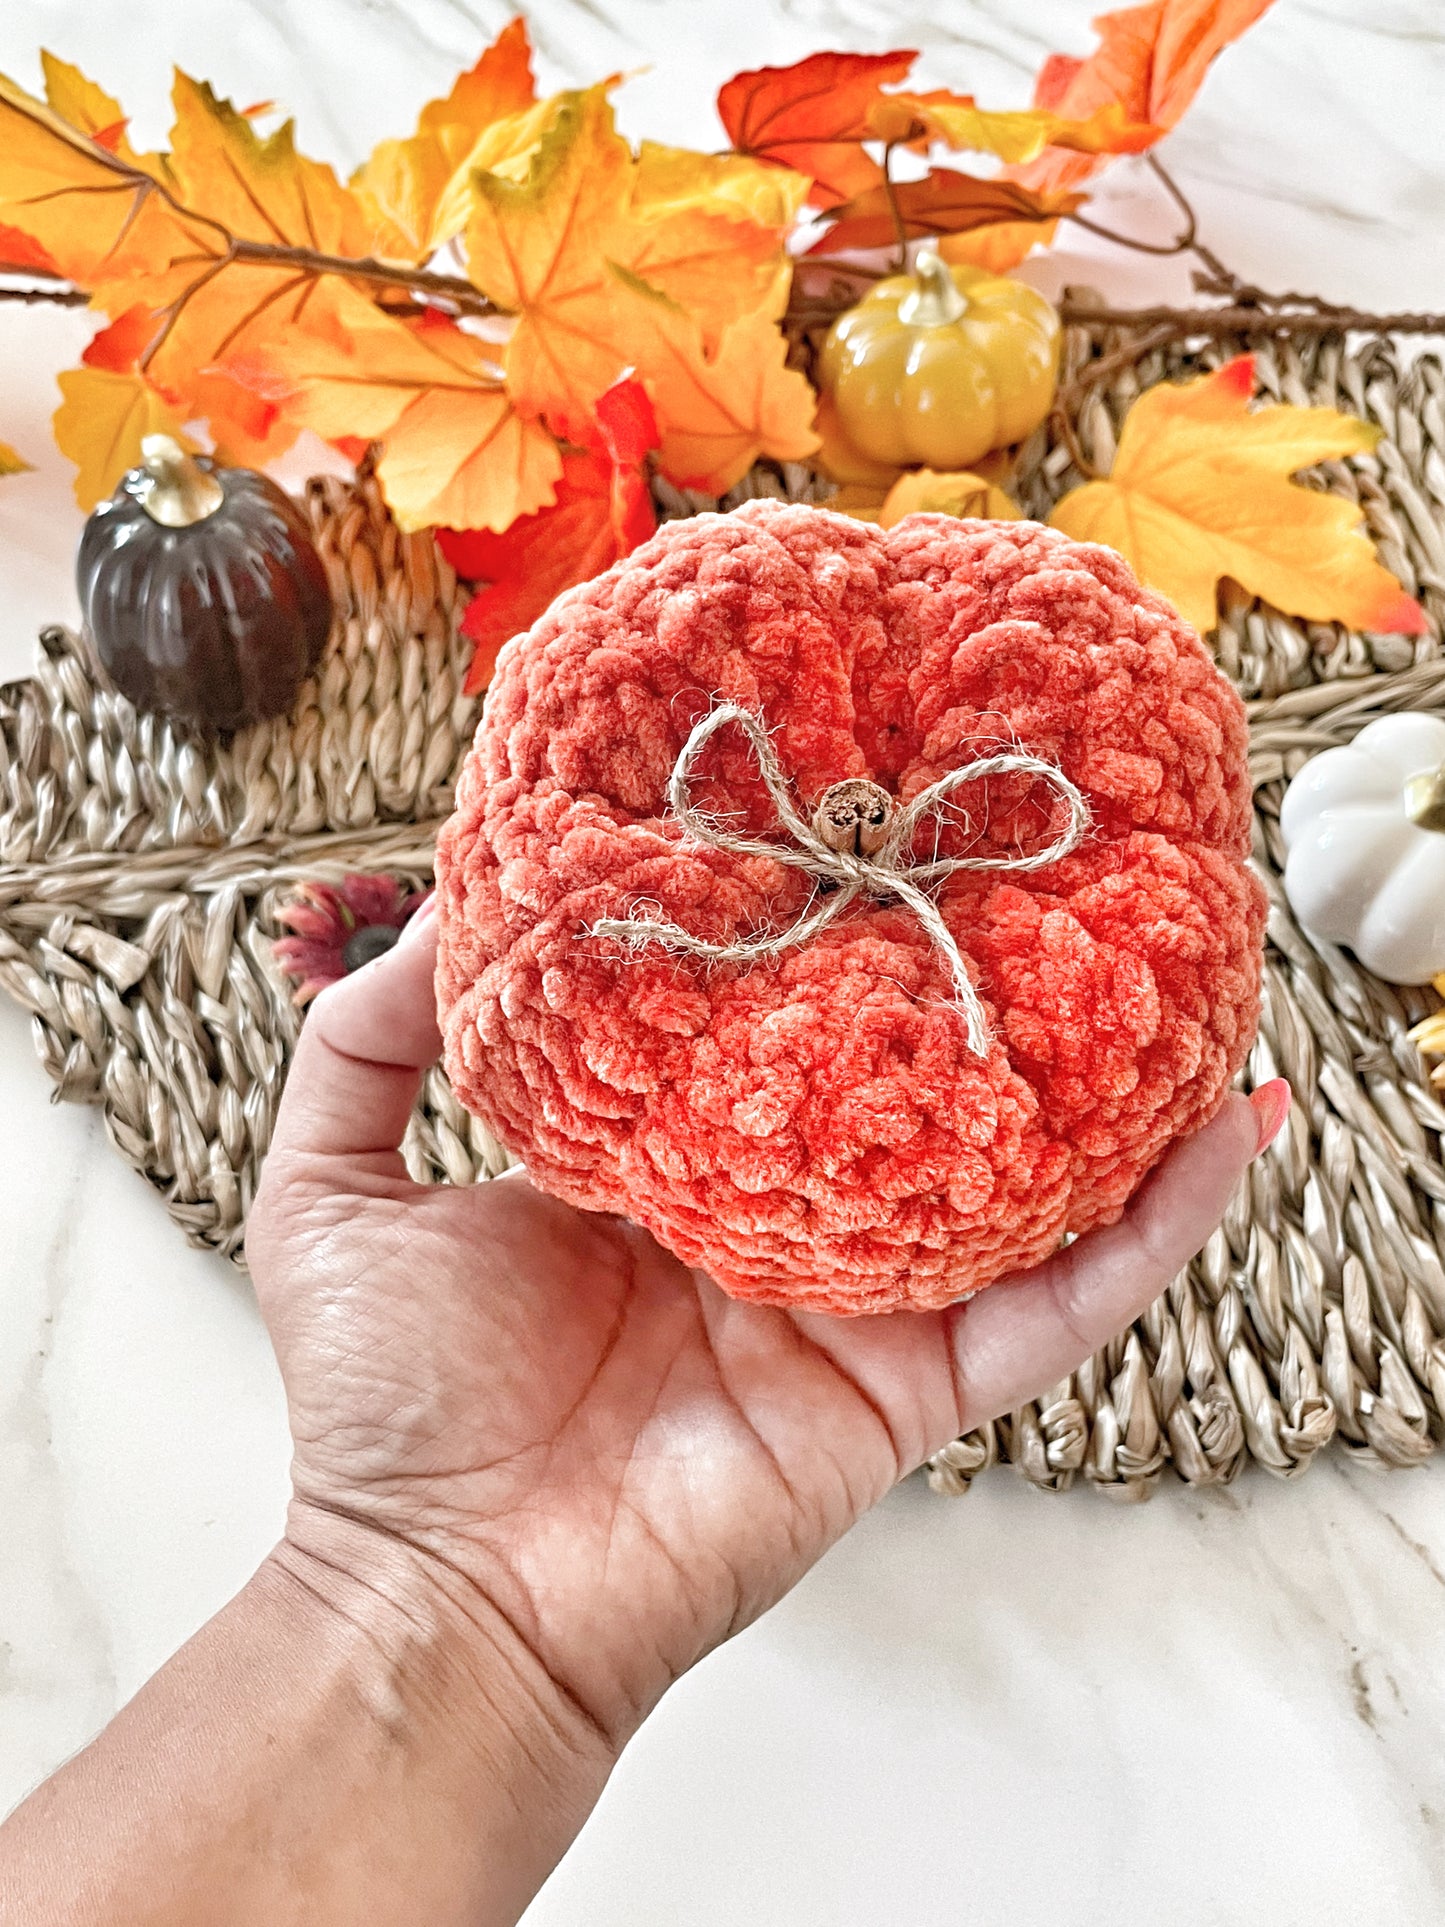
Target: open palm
[{"x": 628, "y": 1464}]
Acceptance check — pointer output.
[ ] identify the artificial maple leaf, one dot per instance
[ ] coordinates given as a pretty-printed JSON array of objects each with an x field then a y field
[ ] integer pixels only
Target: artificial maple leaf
[
  {"x": 209, "y": 308},
  {"x": 943, "y": 202},
  {"x": 415, "y": 191},
  {"x": 999, "y": 247},
  {"x": 22, "y": 254},
  {"x": 120, "y": 346},
  {"x": 88, "y": 210},
  {"x": 813, "y": 117},
  {"x": 12, "y": 463},
  {"x": 1147, "y": 68},
  {"x": 601, "y": 512},
  {"x": 923, "y": 491},
  {"x": 416, "y": 202},
  {"x": 457, "y": 451},
  {"x": 573, "y": 255},
  {"x": 679, "y": 180},
  {"x": 90, "y": 109},
  {"x": 257, "y": 187},
  {"x": 1013, "y": 135},
  {"x": 101, "y": 423},
  {"x": 1200, "y": 489},
  {"x": 1150, "y": 63},
  {"x": 110, "y": 406},
  {"x": 718, "y": 413}
]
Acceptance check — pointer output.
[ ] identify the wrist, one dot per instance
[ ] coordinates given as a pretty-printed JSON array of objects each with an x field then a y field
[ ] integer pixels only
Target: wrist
[
  {"x": 438, "y": 1631},
  {"x": 443, "y": 1678}
]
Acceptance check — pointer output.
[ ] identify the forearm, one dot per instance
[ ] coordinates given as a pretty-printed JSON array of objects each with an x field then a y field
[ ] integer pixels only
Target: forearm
[{"x": 331, "y": 1748}]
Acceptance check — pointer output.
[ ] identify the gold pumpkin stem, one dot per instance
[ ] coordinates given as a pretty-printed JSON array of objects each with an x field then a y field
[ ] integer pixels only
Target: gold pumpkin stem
[
  {"x": 174, "y": 489},
  {"x": 1425, "y": 800},
  {"x": 936, "y": 302}
]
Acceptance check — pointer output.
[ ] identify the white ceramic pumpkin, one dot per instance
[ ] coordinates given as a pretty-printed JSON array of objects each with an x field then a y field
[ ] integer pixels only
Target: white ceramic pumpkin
[{"x": 1365, "y": 831}]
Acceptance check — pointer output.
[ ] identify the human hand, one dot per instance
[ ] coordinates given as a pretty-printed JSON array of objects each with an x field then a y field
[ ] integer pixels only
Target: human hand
[{"x": 612, "y": 1459}]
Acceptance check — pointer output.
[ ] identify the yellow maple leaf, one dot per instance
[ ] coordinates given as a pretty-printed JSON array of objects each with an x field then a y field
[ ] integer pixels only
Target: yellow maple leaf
[
  {"x": 12, "y": 463},
  {"x": 258, "y": 188},
  {"x": 1014, "y": 134},
  {"x": 90, "y": 109},
  {"x": 675, "y": 180},
  {"x": 1200, "y": 489},
  {"x": 575, "y": 255},
  {"x": 717, "y": 413},
  {"x": 416, "y": 192},
  {"x": 91, "y": 211},
  {"x": 100, "y": 423},
  {"x": 457, "y": 451},
  {"x": 925, "y": 491},
  {"x": 210, "y": 307}
]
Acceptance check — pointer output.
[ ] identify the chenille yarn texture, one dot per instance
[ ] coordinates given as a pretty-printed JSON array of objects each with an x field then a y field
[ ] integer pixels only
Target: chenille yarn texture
[{"x": 813, "y": 1131}]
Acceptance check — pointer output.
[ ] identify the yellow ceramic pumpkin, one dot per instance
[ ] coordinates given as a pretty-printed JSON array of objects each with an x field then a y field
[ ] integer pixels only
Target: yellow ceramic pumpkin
[{"x": 939, "y": 366}]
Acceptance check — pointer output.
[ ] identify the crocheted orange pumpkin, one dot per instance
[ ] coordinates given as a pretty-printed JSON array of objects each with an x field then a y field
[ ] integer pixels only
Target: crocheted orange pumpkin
[{"x": 811, "y": 1120}]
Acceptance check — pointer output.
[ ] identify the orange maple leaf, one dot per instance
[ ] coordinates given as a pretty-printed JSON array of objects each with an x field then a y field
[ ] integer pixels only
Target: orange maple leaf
[
  {"x": 12, "y": 463},
  {"x": 1150, "y": 62},
  {"x": 90, "y": 211},
  {"x": 21, "y": 253},
  {"x": 1147, "y": 68},
  {"x": 415, "y": 191},
  {"x": 679, "y": 180},
  {"x": 601, "y": 512},
  {"x": 1200, "y": 489},
  {"x": 209, "y": 308},
  {"x": 717, "y": 413},
  {"x": 457, "y": 451},
  {"x": 581, "y": 247},
  {"x": 813, "y": 117},
  {"x": 943, "y": 202},
  {"x": 816, "y": 115}
]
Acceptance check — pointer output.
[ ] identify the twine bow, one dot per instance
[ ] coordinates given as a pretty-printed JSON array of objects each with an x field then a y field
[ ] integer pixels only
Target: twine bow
[{"x": 858, "y": 841}]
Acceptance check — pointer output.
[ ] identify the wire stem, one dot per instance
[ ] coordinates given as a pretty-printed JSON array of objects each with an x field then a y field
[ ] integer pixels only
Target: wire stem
[{"x": 895, "y": 212}]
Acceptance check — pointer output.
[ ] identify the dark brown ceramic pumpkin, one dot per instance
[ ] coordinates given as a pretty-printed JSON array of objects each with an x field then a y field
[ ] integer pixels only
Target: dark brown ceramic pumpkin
[{"x": 203, "y": 595}]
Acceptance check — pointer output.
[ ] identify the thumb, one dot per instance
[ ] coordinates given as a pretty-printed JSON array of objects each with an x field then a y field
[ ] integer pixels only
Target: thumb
[{"x": 364, "y": 1046}]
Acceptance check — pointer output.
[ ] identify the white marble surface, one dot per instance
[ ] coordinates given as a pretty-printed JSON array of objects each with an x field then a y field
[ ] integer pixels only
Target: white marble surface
[{"x": 1213, "y": 1709}]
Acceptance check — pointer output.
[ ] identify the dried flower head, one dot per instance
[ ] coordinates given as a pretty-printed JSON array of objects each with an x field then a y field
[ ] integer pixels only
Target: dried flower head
[{"x": 336, "y": 928}]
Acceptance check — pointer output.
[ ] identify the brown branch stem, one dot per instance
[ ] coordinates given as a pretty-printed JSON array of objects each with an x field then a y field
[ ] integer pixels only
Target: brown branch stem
[
  {"x": 55, "y": 294},
  {"x": 1180, "y": 245},
  {"x": 1245, "y": 319},
  {"x": 1222, "y": 280},
  {"x": 890, "y": 192},
  {"x": 30, "y": 271},
  {"x": 453, "y": 289}
]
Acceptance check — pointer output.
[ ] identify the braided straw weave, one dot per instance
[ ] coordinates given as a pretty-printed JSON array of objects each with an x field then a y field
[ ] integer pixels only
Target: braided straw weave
[{"x": 141, "y": 872}]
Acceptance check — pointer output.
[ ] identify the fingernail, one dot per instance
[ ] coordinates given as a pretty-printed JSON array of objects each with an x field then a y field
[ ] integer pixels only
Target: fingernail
[
  {"x": 1271, "y": 1106},
  {"x": 419, "y": 920}
]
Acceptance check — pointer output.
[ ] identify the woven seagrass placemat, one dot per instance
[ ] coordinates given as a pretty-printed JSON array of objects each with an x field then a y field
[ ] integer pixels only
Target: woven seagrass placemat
[{"x": 141, "y": 872}]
